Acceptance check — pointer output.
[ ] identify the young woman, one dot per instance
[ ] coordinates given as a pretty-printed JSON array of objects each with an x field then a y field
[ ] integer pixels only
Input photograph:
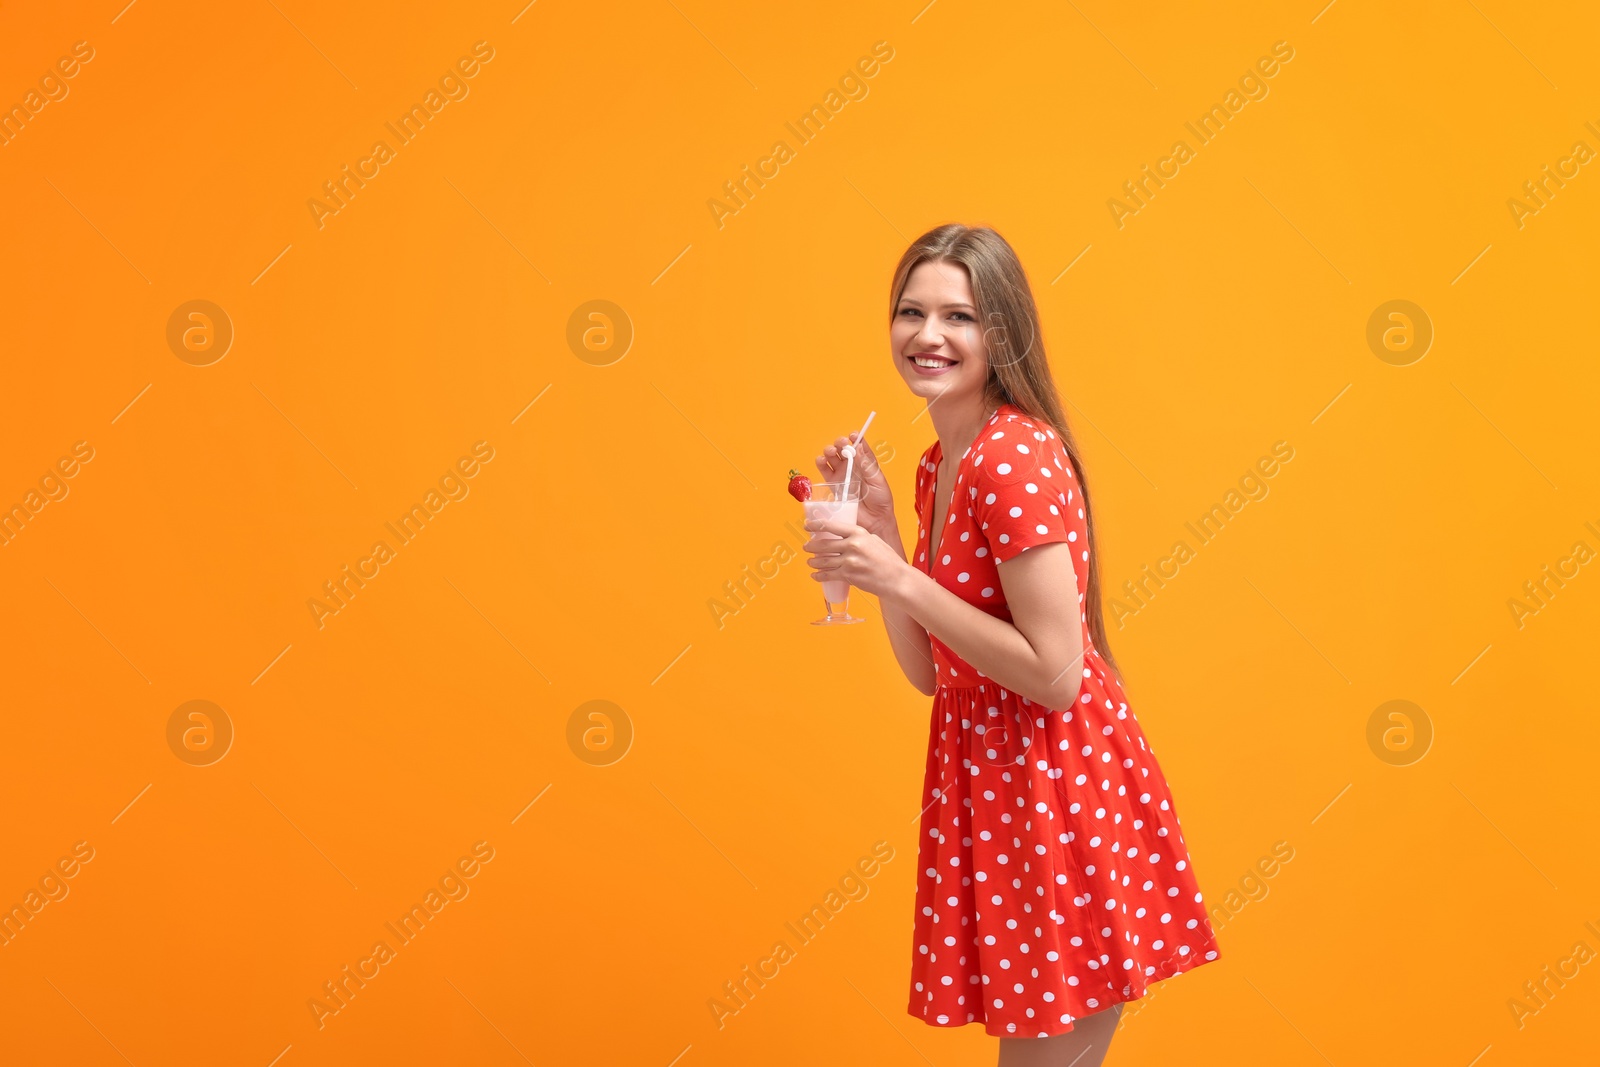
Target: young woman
[{"x": 1054, "y": 884}]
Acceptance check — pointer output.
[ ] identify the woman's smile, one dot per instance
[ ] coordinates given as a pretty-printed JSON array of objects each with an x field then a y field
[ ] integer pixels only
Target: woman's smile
[{"x": 932, "y": 365}]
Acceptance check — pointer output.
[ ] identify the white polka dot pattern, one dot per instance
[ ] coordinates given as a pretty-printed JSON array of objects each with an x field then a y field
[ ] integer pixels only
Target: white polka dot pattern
[{"x": 1054, "y": 877}]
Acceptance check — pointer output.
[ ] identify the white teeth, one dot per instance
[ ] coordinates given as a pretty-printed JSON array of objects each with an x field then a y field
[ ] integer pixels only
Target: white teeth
[{"x": 932, "y": 363}]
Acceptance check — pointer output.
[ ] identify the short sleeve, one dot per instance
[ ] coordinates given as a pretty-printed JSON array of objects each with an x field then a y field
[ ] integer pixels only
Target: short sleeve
[{"x": 1022, "y": 485}]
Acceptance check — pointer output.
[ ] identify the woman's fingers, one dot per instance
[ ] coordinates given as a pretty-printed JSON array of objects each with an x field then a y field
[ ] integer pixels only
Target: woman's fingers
[
  {"x": 831, "y": 463},
  {"x": 823, "y": 561},
  {"x": 824, "y": 545},
  {"x": 866, "y": 459}
]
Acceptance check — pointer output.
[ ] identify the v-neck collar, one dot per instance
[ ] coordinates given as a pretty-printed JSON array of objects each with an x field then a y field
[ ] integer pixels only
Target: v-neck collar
[{"x": 936, "y": 541}]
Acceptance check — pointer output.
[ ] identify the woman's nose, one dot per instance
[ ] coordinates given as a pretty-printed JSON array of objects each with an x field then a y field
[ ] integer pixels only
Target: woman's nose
[{"x": 931, "y": 333}]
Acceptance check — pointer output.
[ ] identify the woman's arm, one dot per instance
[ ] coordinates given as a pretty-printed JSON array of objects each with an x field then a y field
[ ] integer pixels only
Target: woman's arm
[
  {"x": 1039, "y": 654},
  {"x": 907, "y": 636}
]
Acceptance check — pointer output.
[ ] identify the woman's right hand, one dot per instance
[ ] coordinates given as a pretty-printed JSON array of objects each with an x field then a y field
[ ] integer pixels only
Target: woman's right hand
[{"x": 867, "y": 484}]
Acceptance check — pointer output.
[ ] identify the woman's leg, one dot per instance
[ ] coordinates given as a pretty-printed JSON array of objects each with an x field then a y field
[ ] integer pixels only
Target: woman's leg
[{"x": 1084, "y": 1045}]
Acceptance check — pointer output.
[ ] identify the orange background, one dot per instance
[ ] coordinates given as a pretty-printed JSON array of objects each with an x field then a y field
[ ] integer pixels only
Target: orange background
[{"x": 768, "y": 756}]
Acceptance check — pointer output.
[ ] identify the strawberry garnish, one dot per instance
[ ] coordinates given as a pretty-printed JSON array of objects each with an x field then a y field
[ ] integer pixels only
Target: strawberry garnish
[{"x": 799, "y": 485}]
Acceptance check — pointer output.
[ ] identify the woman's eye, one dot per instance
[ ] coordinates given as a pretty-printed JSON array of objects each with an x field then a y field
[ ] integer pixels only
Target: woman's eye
[
  {"x": 963, "y": 315},
  {"x": 908, "y": 311}
]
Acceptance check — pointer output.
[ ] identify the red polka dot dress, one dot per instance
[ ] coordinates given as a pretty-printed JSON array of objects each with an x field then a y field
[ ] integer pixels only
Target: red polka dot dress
[{"x": 1053, "y": 878}]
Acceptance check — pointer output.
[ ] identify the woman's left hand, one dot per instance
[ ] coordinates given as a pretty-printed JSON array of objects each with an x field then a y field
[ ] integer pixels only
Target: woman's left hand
[{"x": 857, "y": 556}]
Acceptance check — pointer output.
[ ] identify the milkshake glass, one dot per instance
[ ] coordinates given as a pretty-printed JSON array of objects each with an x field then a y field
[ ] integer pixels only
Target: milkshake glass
[{"x": 828, "y": 502}]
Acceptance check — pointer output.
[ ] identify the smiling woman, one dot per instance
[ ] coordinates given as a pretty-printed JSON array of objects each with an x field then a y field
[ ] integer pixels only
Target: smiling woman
[{"x": 1055, "y": 884}]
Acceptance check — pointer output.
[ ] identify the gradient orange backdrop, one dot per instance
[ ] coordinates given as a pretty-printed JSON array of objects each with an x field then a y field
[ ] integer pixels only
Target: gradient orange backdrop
[{"x": 761, "y": 758}]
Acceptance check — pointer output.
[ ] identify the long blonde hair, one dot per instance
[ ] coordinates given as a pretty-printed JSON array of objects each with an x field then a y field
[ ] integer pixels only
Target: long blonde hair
[{"x": 1020, "y": 377}]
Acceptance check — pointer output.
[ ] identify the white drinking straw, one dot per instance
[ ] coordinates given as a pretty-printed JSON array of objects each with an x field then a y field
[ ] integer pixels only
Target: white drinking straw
[{"x": 850, "y": 453}]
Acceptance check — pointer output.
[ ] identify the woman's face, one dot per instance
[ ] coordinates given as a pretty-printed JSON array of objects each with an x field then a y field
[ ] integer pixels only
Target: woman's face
[{"x": 936, "y": 323}]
